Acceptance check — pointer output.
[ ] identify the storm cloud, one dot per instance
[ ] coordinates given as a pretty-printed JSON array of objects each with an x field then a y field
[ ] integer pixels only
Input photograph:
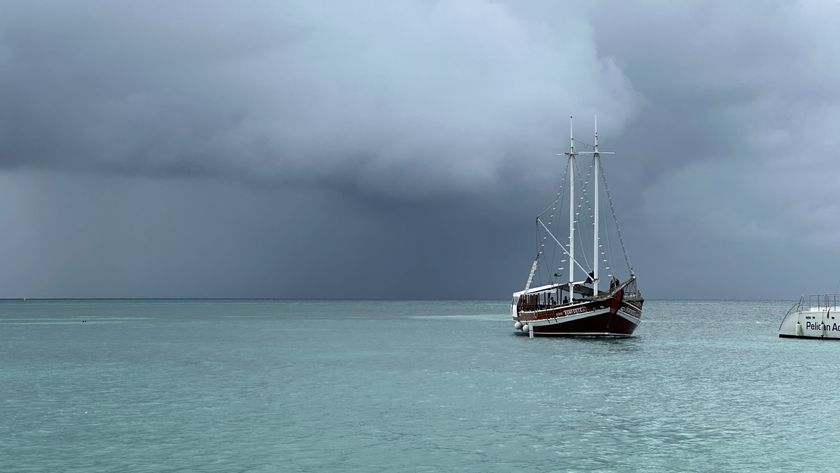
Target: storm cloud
[
  {"x": 402, "y": 149},
  {"x": 397, "y": 97}
]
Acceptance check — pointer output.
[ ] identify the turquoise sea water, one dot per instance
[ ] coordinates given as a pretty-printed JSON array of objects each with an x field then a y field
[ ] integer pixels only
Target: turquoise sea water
[{"x": 285, "y": 386}]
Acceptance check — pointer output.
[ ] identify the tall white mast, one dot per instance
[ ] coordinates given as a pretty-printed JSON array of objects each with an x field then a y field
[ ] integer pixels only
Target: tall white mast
[
  {"x": 595, "y": 249},
  {"x": 571, "y": 155}
]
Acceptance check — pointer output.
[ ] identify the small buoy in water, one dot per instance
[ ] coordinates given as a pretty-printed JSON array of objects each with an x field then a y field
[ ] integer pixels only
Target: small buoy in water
[
  {"x": 83, "y": 321},
  {"x": 517, "y": 325}
]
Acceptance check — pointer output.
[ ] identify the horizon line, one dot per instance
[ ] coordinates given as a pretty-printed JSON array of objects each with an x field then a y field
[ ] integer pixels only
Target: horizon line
[{"x": 348, "y": 299}]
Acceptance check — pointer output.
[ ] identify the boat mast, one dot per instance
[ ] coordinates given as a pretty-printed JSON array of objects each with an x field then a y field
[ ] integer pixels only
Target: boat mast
[
  {"x": 595, "y": 248},
  {"x": 571, "y": 155}
]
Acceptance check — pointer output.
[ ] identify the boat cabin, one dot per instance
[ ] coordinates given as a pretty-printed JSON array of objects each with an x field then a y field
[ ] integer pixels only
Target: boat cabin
[{"x": 554, "y": 295}]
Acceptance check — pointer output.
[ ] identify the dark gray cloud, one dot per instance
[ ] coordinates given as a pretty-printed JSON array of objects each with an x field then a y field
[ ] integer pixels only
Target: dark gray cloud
[
  {"x": 381, "y": 149},
  {"x": 414, "y": 97},
  {"x": 736, "y": 114}
]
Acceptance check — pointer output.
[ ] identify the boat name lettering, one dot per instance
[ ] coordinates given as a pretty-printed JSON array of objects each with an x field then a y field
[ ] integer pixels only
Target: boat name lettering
[
  {"x": 578, "y": 310},
  {"x": 821, "y": 326}
]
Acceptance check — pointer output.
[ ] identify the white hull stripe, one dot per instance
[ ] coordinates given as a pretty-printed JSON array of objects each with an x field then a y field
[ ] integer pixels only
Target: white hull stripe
[
  {"x": 632, "y": 305},
  {"x": 566, "y": 318},
  {"x": 542, "y": 311},
  {"x": 629, "y": 317},
  {"x": 584, "y": 334}
]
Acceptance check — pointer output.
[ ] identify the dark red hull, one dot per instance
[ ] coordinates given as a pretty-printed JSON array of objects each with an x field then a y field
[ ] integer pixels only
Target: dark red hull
[{"x": 609, "y": 317}]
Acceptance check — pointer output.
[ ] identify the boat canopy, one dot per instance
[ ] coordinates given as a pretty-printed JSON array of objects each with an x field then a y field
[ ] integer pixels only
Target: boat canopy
[{"x": 579, "y": 288}]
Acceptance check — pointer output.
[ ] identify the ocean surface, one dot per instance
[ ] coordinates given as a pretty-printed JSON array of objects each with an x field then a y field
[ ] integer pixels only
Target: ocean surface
[{"x": 293, "y": 386}]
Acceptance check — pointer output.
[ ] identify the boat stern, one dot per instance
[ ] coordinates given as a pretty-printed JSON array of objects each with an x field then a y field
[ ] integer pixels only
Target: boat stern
[{"x": 791, "y": 327}]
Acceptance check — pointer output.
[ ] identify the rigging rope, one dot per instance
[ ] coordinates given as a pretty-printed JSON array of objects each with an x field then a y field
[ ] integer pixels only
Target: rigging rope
[
  {"x": 584, "y": 197},
  {"x": 559, "y": 194},
  {"x": 617, "y": 225},
  {"x": 540, "y": 244}
]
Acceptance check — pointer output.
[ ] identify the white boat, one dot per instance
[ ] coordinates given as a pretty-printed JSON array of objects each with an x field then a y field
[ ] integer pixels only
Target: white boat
[
  {"x": 600, "y": 304},
  {"x": 813, "y": 317}
]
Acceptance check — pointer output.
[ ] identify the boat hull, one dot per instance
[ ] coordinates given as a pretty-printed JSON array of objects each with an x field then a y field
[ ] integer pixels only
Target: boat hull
[
  {"x": 822, "y": 324},
  {"x": 612, "y": 317}
]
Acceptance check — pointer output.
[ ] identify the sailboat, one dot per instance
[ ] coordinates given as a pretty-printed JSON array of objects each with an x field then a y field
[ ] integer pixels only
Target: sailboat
[{"x": 593, "y": 306}]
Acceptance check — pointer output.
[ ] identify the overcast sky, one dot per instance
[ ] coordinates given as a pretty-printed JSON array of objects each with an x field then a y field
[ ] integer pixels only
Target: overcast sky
[{"x": 377, "y": 149}]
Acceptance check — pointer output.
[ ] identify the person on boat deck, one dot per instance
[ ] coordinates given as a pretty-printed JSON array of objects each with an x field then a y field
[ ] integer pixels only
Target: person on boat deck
[
  {"x": 590, "y": 278},
  {"x": 565, "y": 300}
]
